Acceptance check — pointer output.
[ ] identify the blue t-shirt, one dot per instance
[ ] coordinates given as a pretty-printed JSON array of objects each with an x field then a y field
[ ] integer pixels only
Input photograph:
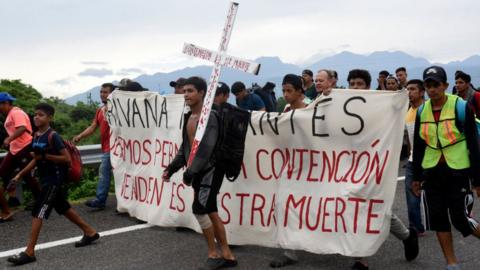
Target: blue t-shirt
[
  {"x": 251, "y": 102},
  {"x": 48, "y": 171}
]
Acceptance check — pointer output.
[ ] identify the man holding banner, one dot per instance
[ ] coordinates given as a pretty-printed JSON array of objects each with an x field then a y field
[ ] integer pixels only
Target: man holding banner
[
  {"x": 202, "y": 174},
  {"x": 360, "y": 80}
]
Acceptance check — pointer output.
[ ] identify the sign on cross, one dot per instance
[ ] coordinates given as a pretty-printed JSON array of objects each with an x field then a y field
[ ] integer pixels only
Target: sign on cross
[{"x": 219, "y": 59}]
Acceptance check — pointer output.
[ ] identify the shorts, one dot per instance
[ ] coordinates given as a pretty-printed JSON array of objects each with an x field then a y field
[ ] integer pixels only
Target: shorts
[
  {"x": 447, "y": 197},
  {"x": 206, "y": 188},
  {"x": 51, "y": 197}
]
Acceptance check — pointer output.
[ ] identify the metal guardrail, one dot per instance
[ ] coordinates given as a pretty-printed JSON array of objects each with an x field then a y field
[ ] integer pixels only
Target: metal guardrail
[{"x": 91, "y": 154}]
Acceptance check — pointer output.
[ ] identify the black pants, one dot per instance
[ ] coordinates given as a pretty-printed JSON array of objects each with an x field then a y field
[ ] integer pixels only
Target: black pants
[{"x": 447, "y": 198}]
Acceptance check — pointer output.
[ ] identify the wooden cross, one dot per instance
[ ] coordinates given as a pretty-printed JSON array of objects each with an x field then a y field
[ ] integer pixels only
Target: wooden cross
[{"x": 220, "y": 59}]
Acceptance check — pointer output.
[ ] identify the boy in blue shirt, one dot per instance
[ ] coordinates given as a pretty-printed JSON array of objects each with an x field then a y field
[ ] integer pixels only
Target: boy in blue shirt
[{"x": 52, "y": 161}]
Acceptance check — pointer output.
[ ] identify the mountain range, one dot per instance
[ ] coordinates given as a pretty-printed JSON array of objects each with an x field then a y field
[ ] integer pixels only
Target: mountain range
[{"x": 273, "y": 69}]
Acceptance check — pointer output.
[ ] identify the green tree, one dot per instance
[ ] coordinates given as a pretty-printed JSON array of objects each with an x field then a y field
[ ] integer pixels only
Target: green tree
[{"x": 27, "y": 96}]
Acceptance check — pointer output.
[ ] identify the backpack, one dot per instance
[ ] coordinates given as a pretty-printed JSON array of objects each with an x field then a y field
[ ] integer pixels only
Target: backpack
[
  {"x": 230, "y": 147},
  {"x": 74, "y": 174},
  {"x": 267, "y": 96}
]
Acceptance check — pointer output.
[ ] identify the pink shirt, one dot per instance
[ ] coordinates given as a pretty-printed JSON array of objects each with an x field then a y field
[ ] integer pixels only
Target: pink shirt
[{"x": 17, "y": 118}]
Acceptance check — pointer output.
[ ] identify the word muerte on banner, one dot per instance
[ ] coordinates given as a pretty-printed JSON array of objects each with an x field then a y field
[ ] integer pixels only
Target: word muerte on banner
[
  {"x": 219, "y": 59},
  {"x": 324, "y": 174}
]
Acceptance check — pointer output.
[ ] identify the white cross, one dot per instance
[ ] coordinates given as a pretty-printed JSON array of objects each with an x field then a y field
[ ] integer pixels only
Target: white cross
[{"x": 220, "y": 59}]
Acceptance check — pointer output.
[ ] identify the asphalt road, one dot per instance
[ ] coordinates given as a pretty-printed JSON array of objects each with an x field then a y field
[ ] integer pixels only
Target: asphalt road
[{"x": 165, "y": 248}]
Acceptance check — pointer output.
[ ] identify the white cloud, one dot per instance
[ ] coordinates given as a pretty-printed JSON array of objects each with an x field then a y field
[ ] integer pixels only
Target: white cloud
[
  {"x": 58, "y": 36},
  {"x": 96, "y": 72}
]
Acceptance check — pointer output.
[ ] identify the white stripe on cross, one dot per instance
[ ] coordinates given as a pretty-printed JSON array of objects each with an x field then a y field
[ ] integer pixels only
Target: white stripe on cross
[{"x": 220, "y": 59}]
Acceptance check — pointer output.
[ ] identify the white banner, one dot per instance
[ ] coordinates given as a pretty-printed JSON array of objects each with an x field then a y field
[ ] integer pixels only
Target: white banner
[{"x": 321, "y": 179}]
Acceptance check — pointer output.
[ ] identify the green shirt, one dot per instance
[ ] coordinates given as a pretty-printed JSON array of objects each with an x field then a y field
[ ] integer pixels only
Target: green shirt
[{"x": 311, "y": 92}]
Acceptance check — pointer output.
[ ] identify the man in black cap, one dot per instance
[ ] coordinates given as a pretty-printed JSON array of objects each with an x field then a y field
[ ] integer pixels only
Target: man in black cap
[
  {"x": 178, "y": 85},
  {"x": 222, "y": 94},
  {"x": 445, "y": 158},
  {"x": 309, "y": 86}
]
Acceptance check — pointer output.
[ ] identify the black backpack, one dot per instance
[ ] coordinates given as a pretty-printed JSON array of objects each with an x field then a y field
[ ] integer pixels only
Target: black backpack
[
  {"x": 233, "y": 126},
  {"x": 267, "y": 96}
]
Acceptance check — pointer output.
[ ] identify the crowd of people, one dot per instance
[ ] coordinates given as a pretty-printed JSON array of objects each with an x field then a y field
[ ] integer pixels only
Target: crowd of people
[{"x": 441, "y": 135}]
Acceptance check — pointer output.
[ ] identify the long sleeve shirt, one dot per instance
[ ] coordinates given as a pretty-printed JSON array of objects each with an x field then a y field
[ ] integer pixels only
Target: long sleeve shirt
[{"x": 471, "y": 135}]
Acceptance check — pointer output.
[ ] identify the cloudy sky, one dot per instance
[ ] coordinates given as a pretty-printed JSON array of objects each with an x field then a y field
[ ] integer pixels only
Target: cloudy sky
[{"x": 64, "y": 47}]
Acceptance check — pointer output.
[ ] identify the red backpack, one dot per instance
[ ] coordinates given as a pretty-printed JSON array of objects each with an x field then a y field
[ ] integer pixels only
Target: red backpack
[{"x": 74, "y": 174}]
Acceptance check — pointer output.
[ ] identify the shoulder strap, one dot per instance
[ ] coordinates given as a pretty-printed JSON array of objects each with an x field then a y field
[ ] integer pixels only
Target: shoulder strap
[
  {"x": 460, "y": 110},
  {"x": 420, "y": 109},
  {"x": 50, "y": 137}
]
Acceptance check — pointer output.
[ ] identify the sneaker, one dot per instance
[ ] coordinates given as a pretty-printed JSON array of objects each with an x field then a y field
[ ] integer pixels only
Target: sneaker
[
  {"x": 359, "y": 266},
  {"x": 212, "y": 264},
  {"x": 411, "y": 245},
  {"x": 95, "y": 204},
  {"x": 21, "y": 259},
  {"x": 87, "y": 240},
  {"x": 453, "y": 267},
  {"x": 13, "y": 202}
]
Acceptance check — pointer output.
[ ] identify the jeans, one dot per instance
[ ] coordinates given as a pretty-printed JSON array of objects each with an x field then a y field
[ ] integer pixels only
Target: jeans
[
  {"x": 413, "y": 202},
  {"x": 105, "y": 174}
]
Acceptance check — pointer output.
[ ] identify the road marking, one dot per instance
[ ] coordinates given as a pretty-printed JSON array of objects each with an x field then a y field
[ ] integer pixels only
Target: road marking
[
  {"x": 102, "y": 234},
  {"x": 75, "y": 239}
]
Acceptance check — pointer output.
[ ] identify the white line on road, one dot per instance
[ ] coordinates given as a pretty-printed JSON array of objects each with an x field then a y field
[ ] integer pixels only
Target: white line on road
[{"x": 74, "y": 239}]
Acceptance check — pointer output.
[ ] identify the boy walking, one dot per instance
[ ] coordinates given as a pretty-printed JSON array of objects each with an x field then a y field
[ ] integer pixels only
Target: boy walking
[
  {"x": 445, "y": 157},
  {"x": 203, "y": 175},
  {"x": 51, "y": 160}
]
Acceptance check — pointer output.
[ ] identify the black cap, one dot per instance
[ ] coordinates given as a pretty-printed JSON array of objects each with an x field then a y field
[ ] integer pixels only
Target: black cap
[
  {"x": 133, "y": 87},
  {"x": 222, "y": 88},
  {"x": 435, "y": 73},
  {"x": 178, "y": 83},
  {"x": 308, "y": 72}
]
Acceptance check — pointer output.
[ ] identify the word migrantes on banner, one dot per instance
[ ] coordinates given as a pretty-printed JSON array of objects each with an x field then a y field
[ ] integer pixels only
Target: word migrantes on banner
[{"x": 325, "y": 174}]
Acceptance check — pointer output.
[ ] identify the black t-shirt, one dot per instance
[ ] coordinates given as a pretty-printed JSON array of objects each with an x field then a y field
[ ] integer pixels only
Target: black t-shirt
[{"x": 48, "y": 171}]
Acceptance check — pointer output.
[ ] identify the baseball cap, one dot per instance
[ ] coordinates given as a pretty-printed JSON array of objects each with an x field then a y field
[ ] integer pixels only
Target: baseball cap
[
  {"x": 435, "y": 73},
  {"x": 4, "y": 96},
  {"x": 179, "y": 82}
]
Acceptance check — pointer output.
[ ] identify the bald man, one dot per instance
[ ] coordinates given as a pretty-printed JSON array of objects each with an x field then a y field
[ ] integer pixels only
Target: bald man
[{"x": 324, "y": 81}]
